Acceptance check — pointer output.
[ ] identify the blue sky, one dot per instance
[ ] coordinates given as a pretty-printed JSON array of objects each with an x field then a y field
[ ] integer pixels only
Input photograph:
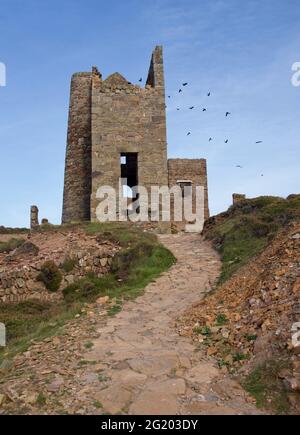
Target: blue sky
[{"x": 241, "y": 51}]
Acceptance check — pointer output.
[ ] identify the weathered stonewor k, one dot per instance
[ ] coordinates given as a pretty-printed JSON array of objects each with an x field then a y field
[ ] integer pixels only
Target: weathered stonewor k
[{"x": 117, "y": 130}]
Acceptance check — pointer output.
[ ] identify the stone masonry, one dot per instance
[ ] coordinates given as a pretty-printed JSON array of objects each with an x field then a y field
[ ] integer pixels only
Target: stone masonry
[
  {"x": 19, "y": 269},
  {"x": 238, "y": 197},
  {"x": 190, "y": 171},
  {"x": 34, "y": 216},
  {"x": 77, "y": 189},
  {"x": 116, "y": 131}
]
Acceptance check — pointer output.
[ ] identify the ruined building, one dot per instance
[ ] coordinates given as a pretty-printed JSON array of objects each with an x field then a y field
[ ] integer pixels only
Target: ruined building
[
  {"x": 118, "y": 130},
  {"x": 238, "y": 197}
]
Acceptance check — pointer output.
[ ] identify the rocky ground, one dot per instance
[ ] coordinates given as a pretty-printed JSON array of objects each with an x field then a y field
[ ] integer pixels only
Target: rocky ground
[
  {"x": 249, "y": 319},
  {"x": 20, "y": 268},
  {"x": 134, "y": 362}
]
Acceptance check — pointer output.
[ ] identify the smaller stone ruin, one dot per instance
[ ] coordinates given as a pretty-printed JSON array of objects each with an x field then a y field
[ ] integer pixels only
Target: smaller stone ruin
[
  {"x": 34, "y": 216},
  {"x": 238, "y": 197}
]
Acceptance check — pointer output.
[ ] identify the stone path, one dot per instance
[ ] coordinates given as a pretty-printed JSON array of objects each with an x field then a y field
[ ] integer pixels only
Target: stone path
[
  {"x": 149, "y": 367},
  {"x": 135, "y": 363}
]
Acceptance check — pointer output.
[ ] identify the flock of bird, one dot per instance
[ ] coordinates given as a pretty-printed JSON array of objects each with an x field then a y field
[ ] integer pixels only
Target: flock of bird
[{"x": 227, "y": 114}]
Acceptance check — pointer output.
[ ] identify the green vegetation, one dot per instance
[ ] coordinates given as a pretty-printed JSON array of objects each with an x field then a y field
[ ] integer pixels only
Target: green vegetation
[
  {"x": 197, "y": 330},
  {"x": 239, "y": 357},
  {"x": 265, "y": 385},
  {"x": 50, "y": 275},
  {"x": 33, "y": 320},
  {"x": 140, "y": 261},
  {"x": 115, "y": 309},
  {"x": 251, "y": 337},
  {"x": 223, "y": 363},
  {"x": 102, "y": 378},
  {"x": 206, "y": 330},
  {"x": 248, "y": 227},
  {"x": 221, "y": 320},
  {"x": 239, "y": 235},
  {"x": 5, "y": 230},
  {"x": 41, "y": 400},
  {"x": 131, "y": 272},
  {"x": 88, "y": 345},
  {"x": 10, "y": 245},
  {"x": 68, "y": 264}
]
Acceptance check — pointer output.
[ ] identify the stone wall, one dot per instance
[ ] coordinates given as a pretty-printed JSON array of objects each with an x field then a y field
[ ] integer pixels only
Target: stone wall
[
  {"x": 19, "y": 285},
  {"x": 129, "y": 119},
  {"x": 19, "y": 273},
  {"x": 194, "y": 170},
  {"x": 237, "y": 197},
  {"x": 77, "y": 187},
  {"x": 34, "y": 216}
]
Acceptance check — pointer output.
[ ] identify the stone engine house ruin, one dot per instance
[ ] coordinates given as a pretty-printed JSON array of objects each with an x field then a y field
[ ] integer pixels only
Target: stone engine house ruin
[{"x": 118, "y": 130}]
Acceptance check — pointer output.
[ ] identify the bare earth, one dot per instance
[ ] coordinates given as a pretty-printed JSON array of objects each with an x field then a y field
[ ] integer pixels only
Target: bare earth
[{"x": 138, "y": 364}]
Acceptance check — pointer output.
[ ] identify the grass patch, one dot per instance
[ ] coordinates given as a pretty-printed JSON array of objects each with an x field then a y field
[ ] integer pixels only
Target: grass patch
[
  {"x": 221, "y": 320},
  {"x": 197, "y": 330},
  {"x": 264, "y": 384},
  {"x": 88, "y": 345},
  {"x": 239, "y": 357},
  {"x": 50, "y": 275},
  {"x": 140, "y": 260},
  {"x": 41, "y": 400},
  {"x": 251, "y": 337},
  {"x": 248, "y": 227},
  {"x": 115, "y": 309},
  {"x": 32, "y": 320},
  {"x": 223, "y": 363},
  {"x": 68, "y": 264},
  {"x": 10, "y": 245},
  {"x": 206, "y": 330},
  {"x": 5, "y": 230}
]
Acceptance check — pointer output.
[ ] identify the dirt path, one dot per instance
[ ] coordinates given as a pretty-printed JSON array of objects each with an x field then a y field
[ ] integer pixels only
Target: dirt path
[{"x": 137, "y": 363}]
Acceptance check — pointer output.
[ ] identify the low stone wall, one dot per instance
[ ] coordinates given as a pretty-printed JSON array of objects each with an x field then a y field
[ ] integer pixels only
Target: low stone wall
[{"x": 20, "y": 284}]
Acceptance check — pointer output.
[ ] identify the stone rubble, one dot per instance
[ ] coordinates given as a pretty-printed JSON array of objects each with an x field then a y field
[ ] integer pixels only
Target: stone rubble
[
  {"x": 19, "y": 269},
  {"x": 257, "y": 307}
]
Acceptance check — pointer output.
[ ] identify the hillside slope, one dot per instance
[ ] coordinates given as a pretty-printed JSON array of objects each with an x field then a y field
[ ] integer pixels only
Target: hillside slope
[
  {"x": 247, "y": 320},
  {"x": 248, "y": 227}
]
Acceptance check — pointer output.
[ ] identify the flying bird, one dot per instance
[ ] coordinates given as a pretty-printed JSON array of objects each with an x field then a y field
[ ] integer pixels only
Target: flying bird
[
  {"x": 209, "y": 94},
  {"x": 210, "y": 139},
  {"x": 239, "y": 166},
  {"x": 169, "y": 96},
  {"x": 180, "y": 90},
  {"x": 189, "y": 133},
  {"x": 226, "y": 141},
  {"x": 259, "y": 141},
  {"x": 177, "y": 108},
  {"x": 204, "y": 110},
  {"x": 184, "y": 84},
  {"x": 140, "y": 80},
  {"x": 192, "y": 107},
  {"x": 227, "y": 114}
]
